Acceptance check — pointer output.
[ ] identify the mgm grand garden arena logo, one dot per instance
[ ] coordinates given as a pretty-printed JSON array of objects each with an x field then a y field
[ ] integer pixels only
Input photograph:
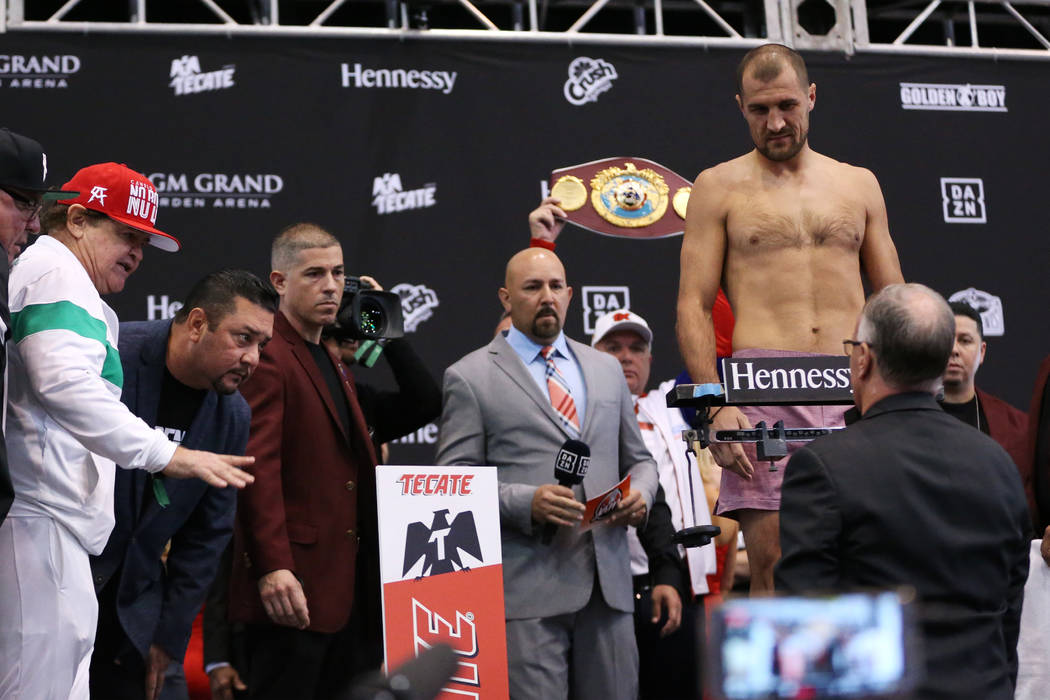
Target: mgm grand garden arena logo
[
  {"x": 217, "y": 190},
  {"x": 946, "y": 97},
  {"x": 37, "y": 72}
]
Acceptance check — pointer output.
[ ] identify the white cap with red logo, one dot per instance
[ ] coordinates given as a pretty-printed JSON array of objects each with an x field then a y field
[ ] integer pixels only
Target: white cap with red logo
[{"x": 621, "y": 320}]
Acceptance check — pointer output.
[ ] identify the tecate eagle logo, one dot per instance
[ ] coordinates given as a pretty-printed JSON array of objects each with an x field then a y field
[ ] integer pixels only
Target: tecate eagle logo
[
  {"x": 588, "y": 78},
  {"x": 947, "y": 97},
  {"x": 188, "y": 78},
  {"x": 37, "y": 72},
  {"x": 217, "y": 190}
]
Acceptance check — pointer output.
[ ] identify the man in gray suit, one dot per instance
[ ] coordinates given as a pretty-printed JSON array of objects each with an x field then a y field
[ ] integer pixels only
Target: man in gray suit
[{"x": 569, "y": 603}]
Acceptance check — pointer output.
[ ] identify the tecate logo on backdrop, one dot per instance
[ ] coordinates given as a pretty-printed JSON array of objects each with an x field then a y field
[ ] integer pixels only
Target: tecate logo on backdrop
[
  {"x": 953, "y": 98},
  {"x": 187, "y": 77},
  {"x": 411, "y": 79},
  {"x": 389, "y": 196},
  {"x": 217, "y": 190},
  {"x": 963, "y": 199},
  {"x": 417, "y": 304},
  {"x": 993, "y": 320},
  {"x": 37, "y": 72},
  {"x": 599, "y": 300},
  {"x": 588, "y": 78}
]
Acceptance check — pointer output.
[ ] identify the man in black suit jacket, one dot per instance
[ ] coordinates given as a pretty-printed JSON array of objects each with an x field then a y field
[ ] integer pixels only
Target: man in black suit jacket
[
  {"x": 908, "y": 495},
  {"x": 182, "y": 378}
]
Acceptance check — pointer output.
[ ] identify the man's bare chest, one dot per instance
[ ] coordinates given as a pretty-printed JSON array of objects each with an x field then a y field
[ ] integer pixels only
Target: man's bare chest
[{"x": 813, "y": 219}]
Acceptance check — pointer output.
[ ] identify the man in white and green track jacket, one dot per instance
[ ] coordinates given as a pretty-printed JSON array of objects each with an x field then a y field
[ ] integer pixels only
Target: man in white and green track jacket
[{"x": 66, "y": 428}]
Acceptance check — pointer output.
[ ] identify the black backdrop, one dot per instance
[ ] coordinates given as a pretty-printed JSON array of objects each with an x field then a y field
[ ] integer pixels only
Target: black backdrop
[{"x": 286, "y": 108}]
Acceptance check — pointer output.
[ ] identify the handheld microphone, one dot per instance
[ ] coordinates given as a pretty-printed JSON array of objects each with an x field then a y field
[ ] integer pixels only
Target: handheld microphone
[{"x": 570, "y": 466}]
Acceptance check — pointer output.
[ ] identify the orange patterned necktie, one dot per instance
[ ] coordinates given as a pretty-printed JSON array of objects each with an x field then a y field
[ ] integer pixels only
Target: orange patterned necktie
[{"x": 561, "y": 399}]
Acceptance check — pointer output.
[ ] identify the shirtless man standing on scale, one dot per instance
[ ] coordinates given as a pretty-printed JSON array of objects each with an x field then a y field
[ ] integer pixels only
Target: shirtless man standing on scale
[{"x": 786, "y": 231}]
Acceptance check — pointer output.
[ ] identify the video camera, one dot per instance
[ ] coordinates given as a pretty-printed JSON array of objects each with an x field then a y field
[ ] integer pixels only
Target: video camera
[{"x": 367, "y": 314}]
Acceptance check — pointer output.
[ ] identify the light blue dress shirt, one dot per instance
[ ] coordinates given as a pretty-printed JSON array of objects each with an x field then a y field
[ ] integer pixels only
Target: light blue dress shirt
[{"x": 564, "y": 360}]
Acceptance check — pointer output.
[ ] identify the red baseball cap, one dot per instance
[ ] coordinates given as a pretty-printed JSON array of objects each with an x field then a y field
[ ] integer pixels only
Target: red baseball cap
[{"x": 123, "y": 195}]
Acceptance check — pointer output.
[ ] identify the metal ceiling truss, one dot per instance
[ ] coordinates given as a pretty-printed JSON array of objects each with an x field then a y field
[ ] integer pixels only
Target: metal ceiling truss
[{"x": 836, "y": 25}]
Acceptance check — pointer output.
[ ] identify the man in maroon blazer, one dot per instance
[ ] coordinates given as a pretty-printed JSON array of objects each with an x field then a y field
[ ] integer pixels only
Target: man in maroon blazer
[
  {"x": 991, "y": 415},
  {"x": 298, "y": 529}
]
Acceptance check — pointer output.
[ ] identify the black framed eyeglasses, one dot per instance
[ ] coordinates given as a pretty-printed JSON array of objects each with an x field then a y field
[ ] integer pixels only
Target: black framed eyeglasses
[
  {"x": 26, "y": 206},
  {"x": 847, "y": 345}
]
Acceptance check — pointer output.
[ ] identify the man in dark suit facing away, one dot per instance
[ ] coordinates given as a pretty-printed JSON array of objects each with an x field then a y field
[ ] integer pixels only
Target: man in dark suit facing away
[
  {"x": 181, "y": 377},
  {"x": 908, "y": 495}
]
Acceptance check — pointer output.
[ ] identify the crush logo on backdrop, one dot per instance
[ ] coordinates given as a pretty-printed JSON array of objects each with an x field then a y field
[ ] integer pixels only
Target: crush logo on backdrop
[
  {"x": 953, "y": 98},
  {"x": 601, "y": 300},
  {"x": 411, "y": 79},
  {"x": 993, "y": 321},
  {"x": 390, "y": 196},
  {"x": 187, "y": 77},
  {"x": 37, "y": 72},
  {"x": 217, "y": 190},
  {"x": 417, "y": 304},
  {"x": 588, "y": 78},
  {"x": 963, "y": 200}
]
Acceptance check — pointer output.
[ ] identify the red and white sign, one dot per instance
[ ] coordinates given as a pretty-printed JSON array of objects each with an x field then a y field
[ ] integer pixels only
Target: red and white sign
[{"x": 442, "y": 571}]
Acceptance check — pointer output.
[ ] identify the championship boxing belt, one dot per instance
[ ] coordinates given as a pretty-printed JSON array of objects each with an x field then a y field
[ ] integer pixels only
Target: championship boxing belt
[{"x": 628, "y": 197}]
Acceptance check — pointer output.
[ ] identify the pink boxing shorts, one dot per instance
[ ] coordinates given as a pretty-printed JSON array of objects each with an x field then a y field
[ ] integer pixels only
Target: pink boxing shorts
[{"x": 762, "y": 492}]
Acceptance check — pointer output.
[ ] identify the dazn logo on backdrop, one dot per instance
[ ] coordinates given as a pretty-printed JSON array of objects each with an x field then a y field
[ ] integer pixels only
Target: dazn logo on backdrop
[
  {"x": 217, "y": 190},
  {"x": 187, "y": 77},
  {"x": 963, "y": 200},
  {"x": 37, "y": 72},
  {"x": 599, "y": 300}
]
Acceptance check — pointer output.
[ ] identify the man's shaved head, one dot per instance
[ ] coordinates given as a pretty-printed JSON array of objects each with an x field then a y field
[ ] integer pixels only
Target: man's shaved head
[
  {"x": 524, "y": 260},
  {"x": 766, "y": 62},
  {"x": 296, "y": 238}
]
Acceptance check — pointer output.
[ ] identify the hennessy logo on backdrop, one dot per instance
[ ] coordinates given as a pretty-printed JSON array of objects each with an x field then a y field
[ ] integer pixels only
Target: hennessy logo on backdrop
[
  {"x": 161, "y": 307},
  {"x": 417, "y": 304},
  {"x": 588, "y": 78},
  {"x": 600, "y": 300},
  {"x": 441, "y": 545},
  {"x": 187, "y": 77},
  {"x": 953, "y": 98},
  {"x": 993, "y": 320},
  {"x": 963, "y": 200},
  {"x": 218, "y": 190},
  {"x": 37, "y": 72},
  {"x": 389, "y": 196},
  {"x": 441, "y": 80}
]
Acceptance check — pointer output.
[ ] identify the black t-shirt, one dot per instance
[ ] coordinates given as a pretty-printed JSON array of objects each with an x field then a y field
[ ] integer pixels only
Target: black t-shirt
[
  {"x": 970, "y": 413},
  {"x": 178, "y": 406},
  {"x": 331, "y": 378}
]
